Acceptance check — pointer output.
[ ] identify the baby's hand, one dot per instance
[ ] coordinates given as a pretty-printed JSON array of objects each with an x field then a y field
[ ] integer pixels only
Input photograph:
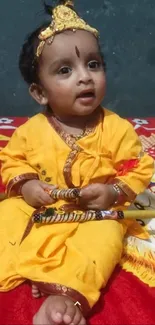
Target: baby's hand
[
  {"x": 97, "y": 197},
  {"x": 33, "y": 192}
]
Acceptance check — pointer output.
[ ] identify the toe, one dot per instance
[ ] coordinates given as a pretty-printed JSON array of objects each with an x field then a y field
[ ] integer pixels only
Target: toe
[
  {"x": 77, "y": 317},
  {"x": 58, "y": 311},
  {"x": 35, "y": 295},
  {"x": 34, "y": 287},
  {"x": 35, "y": 291},
  {"x": 70, "y": 313}
]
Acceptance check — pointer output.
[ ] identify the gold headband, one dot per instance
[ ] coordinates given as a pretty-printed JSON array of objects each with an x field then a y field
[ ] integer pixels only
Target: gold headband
[{"x": 63, "y": 18}]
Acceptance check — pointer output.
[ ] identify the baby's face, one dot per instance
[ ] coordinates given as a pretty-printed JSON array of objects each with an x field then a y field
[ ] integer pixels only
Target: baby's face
[{"x": 72, "y": 75}]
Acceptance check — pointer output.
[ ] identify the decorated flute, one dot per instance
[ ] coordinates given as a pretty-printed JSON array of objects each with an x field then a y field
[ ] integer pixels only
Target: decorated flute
[
  {"x": 46, "y": 215},
  {"x": 51, "y": 215}
]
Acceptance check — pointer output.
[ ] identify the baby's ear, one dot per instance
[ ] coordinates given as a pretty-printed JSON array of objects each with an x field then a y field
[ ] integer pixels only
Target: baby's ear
[{"x": 37, "y": 93}]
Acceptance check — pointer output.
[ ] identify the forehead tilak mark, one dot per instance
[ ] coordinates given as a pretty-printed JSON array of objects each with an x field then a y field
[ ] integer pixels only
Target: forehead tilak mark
[{"x": 77, "y": 51}]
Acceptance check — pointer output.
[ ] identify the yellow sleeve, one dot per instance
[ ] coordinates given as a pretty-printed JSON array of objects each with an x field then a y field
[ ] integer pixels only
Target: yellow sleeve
[
  {"x": 14, "y": 167},
  {"x": 134, "y": 168}
]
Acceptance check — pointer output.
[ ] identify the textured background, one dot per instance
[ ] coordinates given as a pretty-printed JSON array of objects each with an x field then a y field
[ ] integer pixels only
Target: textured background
[{"x": 127, "y": 39}]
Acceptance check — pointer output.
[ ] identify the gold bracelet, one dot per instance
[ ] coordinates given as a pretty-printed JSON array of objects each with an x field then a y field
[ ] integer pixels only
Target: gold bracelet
[{"x": 119, "y": 193}]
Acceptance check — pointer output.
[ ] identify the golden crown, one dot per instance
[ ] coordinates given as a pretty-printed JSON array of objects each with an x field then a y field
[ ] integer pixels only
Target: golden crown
[{"x": 63, "y": 18}]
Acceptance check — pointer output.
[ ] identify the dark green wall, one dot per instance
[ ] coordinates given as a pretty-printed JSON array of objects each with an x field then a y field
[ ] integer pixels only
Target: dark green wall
[{"x": 127, "y": 30}]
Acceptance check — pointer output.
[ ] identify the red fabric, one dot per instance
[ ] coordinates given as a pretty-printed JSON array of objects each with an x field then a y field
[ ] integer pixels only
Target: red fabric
[
  {"x": 126, "y": 166},
  {"x": 126, "y": 300}
]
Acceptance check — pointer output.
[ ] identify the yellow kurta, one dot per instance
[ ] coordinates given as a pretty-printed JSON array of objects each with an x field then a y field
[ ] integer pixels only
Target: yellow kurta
[{"x": 81, "y": 256}]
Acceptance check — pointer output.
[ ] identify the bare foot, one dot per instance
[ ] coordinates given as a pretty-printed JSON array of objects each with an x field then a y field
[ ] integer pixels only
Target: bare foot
[
  {"x": 58, "y": 310},
  {"x": 36, "y": 292}
]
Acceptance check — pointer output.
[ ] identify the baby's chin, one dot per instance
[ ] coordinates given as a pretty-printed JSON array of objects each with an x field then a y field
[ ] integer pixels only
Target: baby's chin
[{"x": 85, "y": 111}]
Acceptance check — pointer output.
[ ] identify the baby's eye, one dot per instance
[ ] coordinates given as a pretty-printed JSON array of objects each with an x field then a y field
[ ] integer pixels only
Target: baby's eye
[
  {"x": 94, "y": 64},
  {"x": 64, "y": 70}
]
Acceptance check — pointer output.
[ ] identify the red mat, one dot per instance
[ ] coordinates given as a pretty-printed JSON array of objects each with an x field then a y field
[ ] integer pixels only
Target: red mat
[{"x": 126, "y": 300}]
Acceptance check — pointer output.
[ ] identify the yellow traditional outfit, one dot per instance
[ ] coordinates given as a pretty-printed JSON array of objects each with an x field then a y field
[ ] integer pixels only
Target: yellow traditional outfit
[
  {"x": 76, "y": 259},
  {"x": 79, "y": 256}
]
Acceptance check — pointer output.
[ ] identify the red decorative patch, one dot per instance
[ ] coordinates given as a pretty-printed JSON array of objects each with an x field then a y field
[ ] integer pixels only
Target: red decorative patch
[{"x": 127, "y": 166}]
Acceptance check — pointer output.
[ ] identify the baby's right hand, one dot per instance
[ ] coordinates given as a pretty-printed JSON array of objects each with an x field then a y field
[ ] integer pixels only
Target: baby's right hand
[{"x": 33, "y": 192}]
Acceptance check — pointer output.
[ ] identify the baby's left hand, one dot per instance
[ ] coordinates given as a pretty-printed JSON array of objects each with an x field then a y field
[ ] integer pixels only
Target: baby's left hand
[{"x": 97, "y": 197}]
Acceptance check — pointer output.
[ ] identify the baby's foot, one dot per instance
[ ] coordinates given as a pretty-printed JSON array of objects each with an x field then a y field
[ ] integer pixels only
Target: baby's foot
[
  {"x": 36, "y": 292},
  {"x": 59, "y": 310}
]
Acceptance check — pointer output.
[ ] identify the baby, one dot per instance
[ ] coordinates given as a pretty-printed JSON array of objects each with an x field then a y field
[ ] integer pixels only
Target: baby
[{"x": 73, "y": 143}]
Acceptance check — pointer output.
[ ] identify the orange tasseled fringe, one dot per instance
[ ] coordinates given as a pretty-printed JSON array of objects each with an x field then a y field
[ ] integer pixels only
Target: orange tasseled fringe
[{"x": 139, "y": 259}]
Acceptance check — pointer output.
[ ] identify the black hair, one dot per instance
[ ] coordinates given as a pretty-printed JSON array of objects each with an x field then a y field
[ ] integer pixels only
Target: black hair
[{"x": 28, "y": 61}]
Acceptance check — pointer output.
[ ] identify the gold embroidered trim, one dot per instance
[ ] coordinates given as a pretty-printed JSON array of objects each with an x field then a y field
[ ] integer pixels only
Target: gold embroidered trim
[
  {"x": 59, "y": 289},
  {"x": 13, "y": 185},
  {"x": 71, "y": 142}
]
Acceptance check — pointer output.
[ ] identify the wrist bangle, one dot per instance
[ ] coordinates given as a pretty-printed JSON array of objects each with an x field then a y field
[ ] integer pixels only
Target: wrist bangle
[{"x": 120, "y": 195}]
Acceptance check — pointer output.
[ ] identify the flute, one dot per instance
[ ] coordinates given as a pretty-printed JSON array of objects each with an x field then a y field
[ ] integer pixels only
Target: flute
[{"x": 52, "y": 215}]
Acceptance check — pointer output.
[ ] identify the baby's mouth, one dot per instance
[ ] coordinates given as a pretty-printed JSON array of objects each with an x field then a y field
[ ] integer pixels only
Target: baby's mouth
[{"x": 88, "y": 94}]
